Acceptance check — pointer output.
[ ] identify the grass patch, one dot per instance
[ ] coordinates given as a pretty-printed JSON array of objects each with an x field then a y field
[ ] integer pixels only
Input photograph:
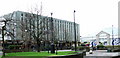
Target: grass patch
[
  {"x": 40, "y": 53},
  {"x": 0, "y": 56}
]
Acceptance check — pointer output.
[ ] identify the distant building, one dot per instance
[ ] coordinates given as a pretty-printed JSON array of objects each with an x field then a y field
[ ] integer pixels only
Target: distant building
[
  {"x": 103, "y": 38},
  {"x": 24, "y": 25}
]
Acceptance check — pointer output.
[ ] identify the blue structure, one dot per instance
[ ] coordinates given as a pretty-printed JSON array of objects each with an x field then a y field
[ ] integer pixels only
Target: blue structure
[{"x": 116, "y": 41}]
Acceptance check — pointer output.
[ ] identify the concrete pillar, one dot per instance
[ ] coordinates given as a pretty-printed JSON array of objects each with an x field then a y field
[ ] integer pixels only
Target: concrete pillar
[
  {"x": 97, "y": 39},
  {"x": 108, "y": 39}
]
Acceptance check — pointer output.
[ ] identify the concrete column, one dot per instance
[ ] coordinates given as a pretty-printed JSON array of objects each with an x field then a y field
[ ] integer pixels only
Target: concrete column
[
  {"x": 108, "y": 39},
  {"x": 97, "y": 39}
]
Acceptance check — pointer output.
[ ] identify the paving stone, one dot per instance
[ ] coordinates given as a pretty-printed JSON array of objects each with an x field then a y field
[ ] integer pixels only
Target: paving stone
[{"x": 101, "y": 54}]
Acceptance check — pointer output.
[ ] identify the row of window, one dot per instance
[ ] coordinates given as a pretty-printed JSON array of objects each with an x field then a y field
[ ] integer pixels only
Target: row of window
[{"x": 59, "y": 26}]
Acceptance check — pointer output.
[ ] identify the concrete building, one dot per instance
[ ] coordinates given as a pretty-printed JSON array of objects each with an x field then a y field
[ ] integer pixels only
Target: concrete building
[
  {"x": 25, "y": 26},
  {"x": 104, "y": 37}
]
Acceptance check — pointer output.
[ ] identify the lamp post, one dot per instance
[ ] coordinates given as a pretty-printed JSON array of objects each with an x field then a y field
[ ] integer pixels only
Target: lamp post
[
  {"x": 57, "y": 47},
  {"x": 112, "y": 37},
  {"x": 27, "y": 41},
  {"x": 52, "y": 45},
  {"x": 52, "y": 26},
  {"x": 75, "y": 31}
]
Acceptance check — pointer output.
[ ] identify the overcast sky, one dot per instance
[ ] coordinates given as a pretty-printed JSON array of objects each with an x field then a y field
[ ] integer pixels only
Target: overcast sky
[{"x": 92, "y": 15}]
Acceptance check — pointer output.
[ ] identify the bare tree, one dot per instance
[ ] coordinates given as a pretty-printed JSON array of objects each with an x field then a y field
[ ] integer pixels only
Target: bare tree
[
  {"x": 10, "y": 25},
  {"x": 38, "y": 27}
]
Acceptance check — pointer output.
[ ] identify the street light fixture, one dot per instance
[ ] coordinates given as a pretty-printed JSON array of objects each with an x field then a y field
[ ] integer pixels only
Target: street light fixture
[
  {"x": 52, "y": 45},
  {"x": 75, "y": 31},
  {"x": 112, "y": 37},
  {"x": 57, "y": 44},
  {"x": 52, "y": 26}
]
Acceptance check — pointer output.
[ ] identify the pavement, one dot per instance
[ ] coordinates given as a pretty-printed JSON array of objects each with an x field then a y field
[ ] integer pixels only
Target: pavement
[
  {"x": 101, "y": 54},
  {"x": 58, "y": 50},
  {"x": 64, "y": 50}
]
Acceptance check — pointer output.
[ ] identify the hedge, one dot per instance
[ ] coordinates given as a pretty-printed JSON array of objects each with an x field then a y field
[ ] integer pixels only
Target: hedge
[
  {"x": 82, "y": 48},
  {"x": 14, "y": 46},
  {"x": 116, "y": 46}
]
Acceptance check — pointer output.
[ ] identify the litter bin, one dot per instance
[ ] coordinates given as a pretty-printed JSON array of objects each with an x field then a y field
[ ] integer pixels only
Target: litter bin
[
  {"x": 109, "y": 50},
  {"x": 52, "y": 48}
]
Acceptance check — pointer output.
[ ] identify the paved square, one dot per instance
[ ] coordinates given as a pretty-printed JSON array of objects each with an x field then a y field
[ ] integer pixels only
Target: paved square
[{"x": 101, "y": 54}]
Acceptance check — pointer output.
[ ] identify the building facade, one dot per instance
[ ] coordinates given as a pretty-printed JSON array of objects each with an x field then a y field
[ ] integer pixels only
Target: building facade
[{"x": 25, "y": 26}]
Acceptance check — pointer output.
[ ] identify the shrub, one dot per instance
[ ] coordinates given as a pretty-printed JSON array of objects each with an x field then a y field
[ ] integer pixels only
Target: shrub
[
  {"x": 14, "y": 46},
  {"x": 80, "y": 47},
  {"x": 101, "y": 47},
  {"x": 83, "y": 44},
  {"x": 83, "y": 48},
  {"x": 116, "y": 46},
  {"x": 108, "y": 46}
]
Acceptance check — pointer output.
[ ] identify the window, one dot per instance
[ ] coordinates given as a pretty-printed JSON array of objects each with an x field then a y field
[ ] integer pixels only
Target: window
[
  {"x": 26, "y": 15},
  {"x": 22, "y": 14},
  {"x": 0, "y": 31}
]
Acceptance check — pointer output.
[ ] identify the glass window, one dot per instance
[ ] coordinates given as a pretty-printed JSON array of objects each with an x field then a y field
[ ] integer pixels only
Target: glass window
[
  {"x": 0, "y": 31},
  {"x": 22, "y": 14},
  {"x": 26, "y": 15}
]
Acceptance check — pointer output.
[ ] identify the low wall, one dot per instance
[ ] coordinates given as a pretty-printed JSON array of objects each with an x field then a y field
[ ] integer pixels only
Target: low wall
[{"x": 79, "y": 55}]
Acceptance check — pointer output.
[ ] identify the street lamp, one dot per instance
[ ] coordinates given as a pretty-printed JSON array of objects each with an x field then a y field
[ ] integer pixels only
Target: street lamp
[
  {"x": 112, "y": 37},
  {"x": 75, "y": 31},
  {"x": 57, "y": 44},
  {"x": 52, "y": 45},
  {"x": 52, "y": 26},
  {"x": 28, "y": 41}
]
